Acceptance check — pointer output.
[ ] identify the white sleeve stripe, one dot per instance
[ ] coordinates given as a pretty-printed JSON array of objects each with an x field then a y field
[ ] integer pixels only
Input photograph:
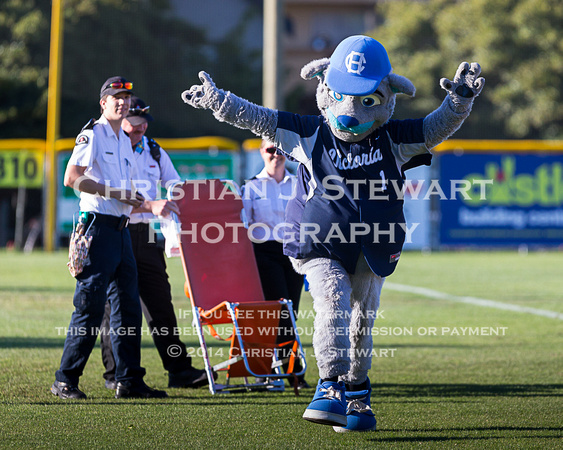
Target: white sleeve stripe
[
  {"x": 296, "y": 146},
  {"x": 404, "y": 152}
]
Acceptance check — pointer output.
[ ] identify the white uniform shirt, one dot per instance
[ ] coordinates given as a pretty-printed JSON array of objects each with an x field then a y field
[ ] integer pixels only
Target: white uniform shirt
[
  {"x": 152, "y": 178},
  {"x": 264, "y": 201},
  {"x": 108, "y": 160}
]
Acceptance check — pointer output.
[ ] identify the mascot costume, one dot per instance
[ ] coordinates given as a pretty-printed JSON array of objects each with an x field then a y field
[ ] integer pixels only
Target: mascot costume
[{"x": 345, "y": 224}]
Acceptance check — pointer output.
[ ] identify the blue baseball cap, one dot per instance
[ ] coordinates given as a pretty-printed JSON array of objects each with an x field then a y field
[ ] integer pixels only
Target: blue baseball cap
[{"x": 357, "y": 66}]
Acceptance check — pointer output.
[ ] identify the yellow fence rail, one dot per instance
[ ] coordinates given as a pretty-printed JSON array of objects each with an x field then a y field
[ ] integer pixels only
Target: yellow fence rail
[{"x": 489, "y": 146}]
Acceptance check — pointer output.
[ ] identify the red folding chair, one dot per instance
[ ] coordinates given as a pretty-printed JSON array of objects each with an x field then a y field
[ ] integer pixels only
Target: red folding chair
[{"x": 224, "y": 288}]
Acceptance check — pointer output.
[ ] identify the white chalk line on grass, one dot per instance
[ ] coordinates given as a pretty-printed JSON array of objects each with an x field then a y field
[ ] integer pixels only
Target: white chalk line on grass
[{"x": 471, "y": 300}]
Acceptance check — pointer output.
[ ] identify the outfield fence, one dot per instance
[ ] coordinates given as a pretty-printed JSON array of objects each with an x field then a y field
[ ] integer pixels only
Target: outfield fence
[{"x": 476, "y": 193}]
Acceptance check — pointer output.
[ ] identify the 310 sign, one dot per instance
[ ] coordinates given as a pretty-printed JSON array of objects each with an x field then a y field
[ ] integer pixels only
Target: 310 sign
[{"x": 21, "y": 168}]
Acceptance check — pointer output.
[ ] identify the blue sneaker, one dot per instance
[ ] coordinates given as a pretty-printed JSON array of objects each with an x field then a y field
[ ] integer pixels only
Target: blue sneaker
[
  {"x": 329, "y": 405},
  {"x": 358, "y": 411}
]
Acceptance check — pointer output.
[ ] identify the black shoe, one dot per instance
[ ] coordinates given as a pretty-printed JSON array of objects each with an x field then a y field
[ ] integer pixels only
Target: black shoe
[
  {"x": 111, "y": 384},
  {"x": 301, "y": 383},
  {"x": 137, "y": 390},
  {"x": 64, "y": 391},
  {"x": 190, "y": 378}
]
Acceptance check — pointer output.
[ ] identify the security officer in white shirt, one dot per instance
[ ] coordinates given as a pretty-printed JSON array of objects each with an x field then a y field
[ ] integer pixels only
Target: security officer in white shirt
[
  {"x": 155, "y": 171},
  {"x": 265, "y": 198},
  {"x": 102, "y": 168}
]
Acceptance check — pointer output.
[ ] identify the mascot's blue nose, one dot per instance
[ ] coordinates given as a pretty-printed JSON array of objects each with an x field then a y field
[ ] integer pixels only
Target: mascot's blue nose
[{"x": 347, "y": 121}]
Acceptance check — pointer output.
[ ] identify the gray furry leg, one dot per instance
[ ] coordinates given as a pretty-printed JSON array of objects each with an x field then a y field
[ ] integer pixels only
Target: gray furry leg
[
  {"x": 364, "y": 301},
  {"x": 330, "y": 287}
]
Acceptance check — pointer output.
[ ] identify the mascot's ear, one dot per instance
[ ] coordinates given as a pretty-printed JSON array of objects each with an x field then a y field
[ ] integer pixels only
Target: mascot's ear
[
  {"x": 316, "y": 68},
  {"x": 400, "y": 85}
]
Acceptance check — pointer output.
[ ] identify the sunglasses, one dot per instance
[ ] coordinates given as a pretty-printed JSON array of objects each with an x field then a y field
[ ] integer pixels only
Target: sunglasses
[
  {"x": 119, "y": 85},
  {"x": 137, "y": 111},
  {"x": 271, "y": 150}
]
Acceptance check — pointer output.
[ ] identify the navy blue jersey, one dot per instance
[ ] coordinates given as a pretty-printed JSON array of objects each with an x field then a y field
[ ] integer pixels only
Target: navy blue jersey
[{"x": 348, "y": 198}]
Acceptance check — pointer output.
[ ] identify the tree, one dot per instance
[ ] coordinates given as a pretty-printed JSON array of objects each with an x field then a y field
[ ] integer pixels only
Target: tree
[
  {"x": 138, "y": 39},
  {"x": 24, "y": 59},
  {"x": 519, "y": 44}
]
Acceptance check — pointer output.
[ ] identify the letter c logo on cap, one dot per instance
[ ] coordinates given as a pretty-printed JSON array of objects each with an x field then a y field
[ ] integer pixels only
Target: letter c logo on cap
[{"x": 355, "y": 62}]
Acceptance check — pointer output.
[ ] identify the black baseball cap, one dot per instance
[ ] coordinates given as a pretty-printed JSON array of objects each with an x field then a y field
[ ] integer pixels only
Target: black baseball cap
[
  {"x": 138, "y": 112},
  {"x": 115, "y": 85}
]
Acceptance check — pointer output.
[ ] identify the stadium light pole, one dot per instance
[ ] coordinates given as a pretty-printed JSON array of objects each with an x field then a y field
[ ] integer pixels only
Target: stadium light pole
[
  {"x": 53, "y": 119},
  {"x": 272, "y": 57}
]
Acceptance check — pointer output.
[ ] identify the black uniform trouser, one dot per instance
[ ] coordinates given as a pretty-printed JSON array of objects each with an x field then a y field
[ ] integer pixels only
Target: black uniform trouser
[
  {"x": 279, "y": 280},
  {"x": 156, "y": 302},
  {"x": 109, "y": 261}
]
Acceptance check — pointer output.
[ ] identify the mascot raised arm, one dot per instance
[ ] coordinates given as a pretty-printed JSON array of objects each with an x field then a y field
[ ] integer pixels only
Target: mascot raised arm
[{"x": 345, "y": 225}]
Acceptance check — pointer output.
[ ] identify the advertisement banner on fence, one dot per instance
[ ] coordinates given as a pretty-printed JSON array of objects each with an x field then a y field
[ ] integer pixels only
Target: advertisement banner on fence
[
  {"x": 501, "y": 199},
  {"x": 21, "y": 168}
]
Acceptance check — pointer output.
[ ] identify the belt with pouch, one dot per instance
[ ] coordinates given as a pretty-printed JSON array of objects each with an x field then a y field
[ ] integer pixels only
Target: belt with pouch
[{"x": 115, "y": 222}]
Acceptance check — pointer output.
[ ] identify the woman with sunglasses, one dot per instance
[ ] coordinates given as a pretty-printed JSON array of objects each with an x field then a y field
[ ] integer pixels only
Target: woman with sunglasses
[{"x": 265, "y": 198}]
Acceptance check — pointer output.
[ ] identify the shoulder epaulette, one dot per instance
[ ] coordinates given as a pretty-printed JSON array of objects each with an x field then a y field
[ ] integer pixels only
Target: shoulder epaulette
[
  {"x": 89, "y": 125},
  {"x": 155, "y": 150},
  {"x": 84, "y": 138}
]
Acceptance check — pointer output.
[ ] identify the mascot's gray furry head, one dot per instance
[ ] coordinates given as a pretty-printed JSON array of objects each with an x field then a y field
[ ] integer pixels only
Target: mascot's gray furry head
[{"x": 357, "y": 89}]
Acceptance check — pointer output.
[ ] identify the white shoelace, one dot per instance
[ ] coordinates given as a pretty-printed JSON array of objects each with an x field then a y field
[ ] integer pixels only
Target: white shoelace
[
  {"x": 357, "y": 405},
  {"x": 330, "y": 392}
]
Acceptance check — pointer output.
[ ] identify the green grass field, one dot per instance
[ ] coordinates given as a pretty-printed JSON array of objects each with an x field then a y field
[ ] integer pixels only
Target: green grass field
[{"x": 433, "y": 386}]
